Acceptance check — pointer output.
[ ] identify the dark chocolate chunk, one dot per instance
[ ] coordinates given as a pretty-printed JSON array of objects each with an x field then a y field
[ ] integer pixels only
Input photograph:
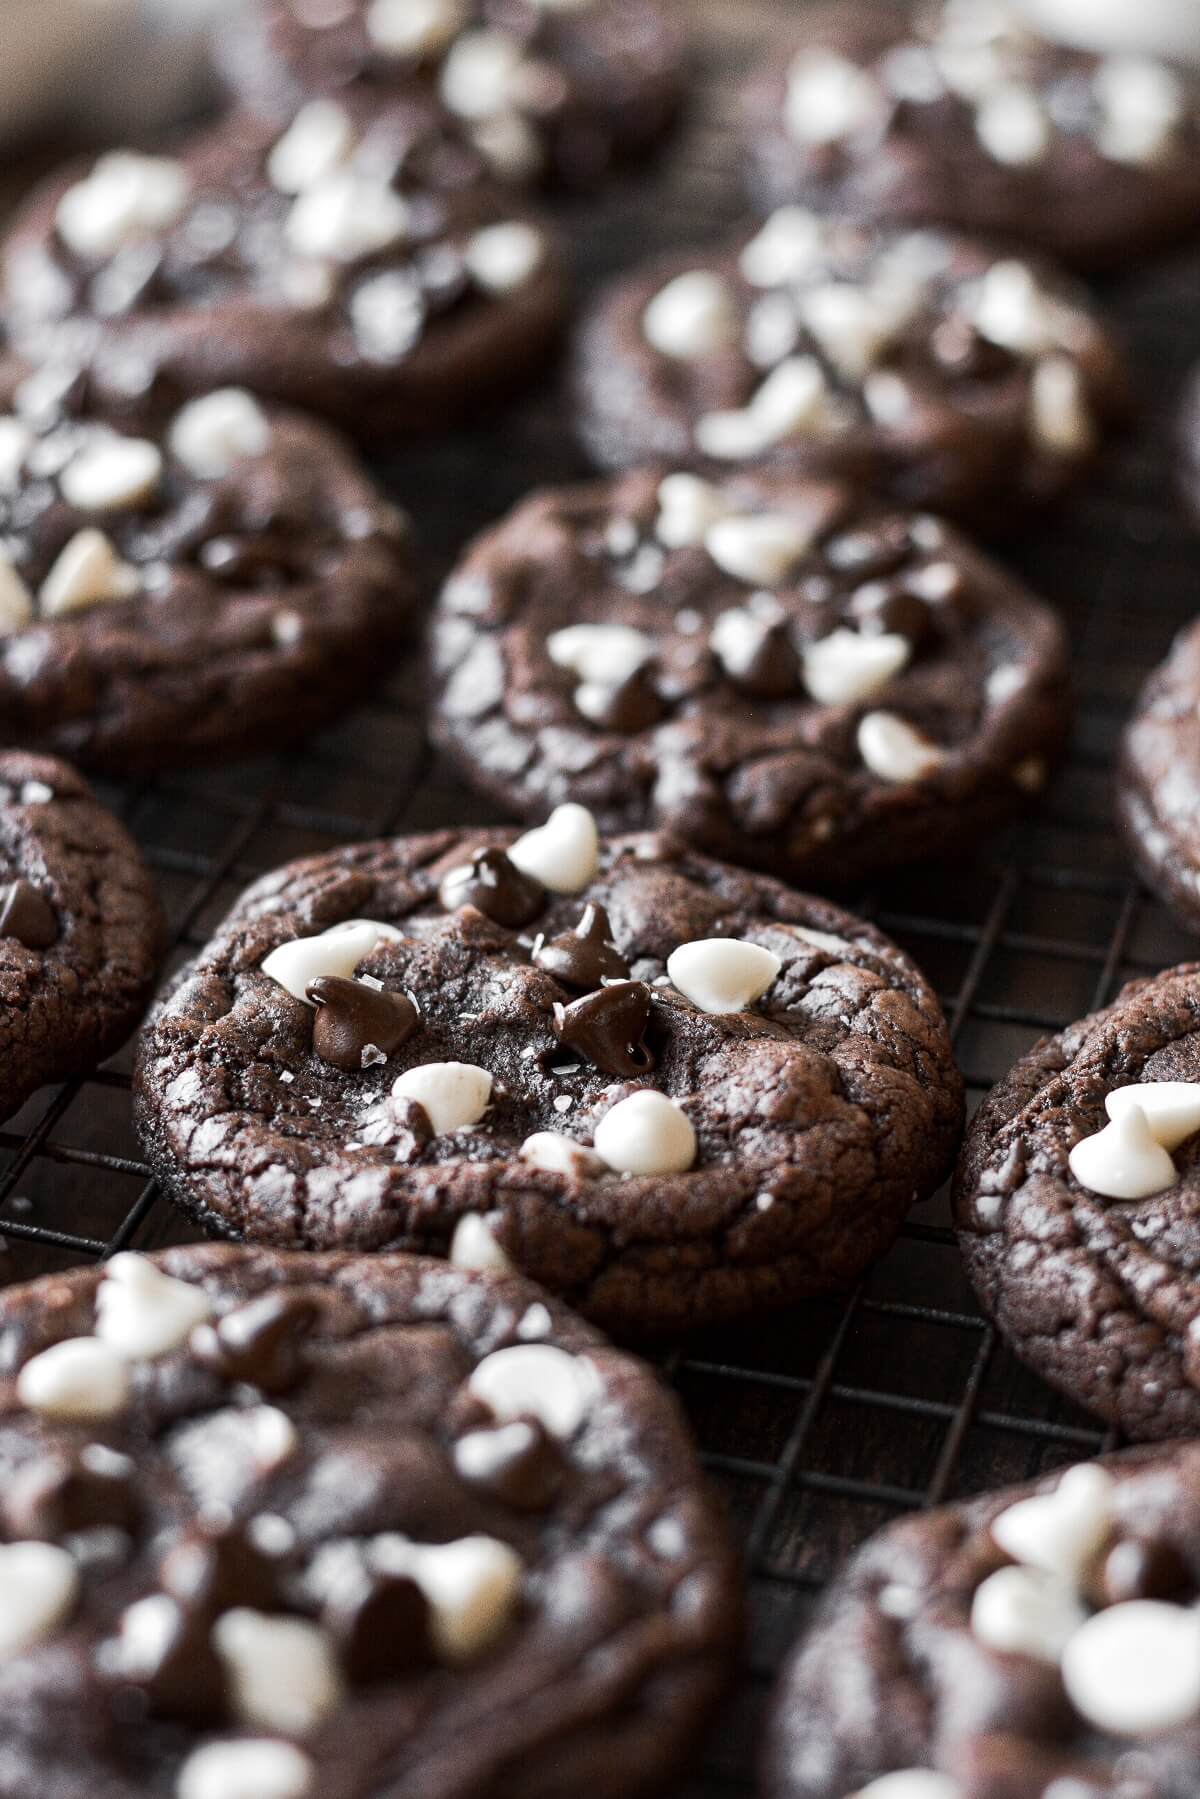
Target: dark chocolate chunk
[
  {"x": 763, "y": 661},
  {"x": 27, "y": 915},
  {"x": 586, "y": 955},
  {"x": 354, "y": 1018},
  {"x": 496, "y": 887},
  {"x": 178, "y": 1671},
  {"x": 1139, "y": 1568},
  {"x": 381, "y": 1626},
  {"x": 520, "y": 1463},
  {"x": 607, "y": 1027},
  {"x": 261, "y": 1342},
  {"x": 54, "y": 1497},
  {"x": 210, "y": 1571},
  {"x": 633, "y": 705}
]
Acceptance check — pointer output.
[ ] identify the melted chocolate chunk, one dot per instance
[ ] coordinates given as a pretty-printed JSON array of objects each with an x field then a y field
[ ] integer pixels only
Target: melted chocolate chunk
[
  {"x": 209, "y": 1572},
  {"x": 381, "y": 1628},
  {"x": 764, "y": 662},
  {"x": 353, "y": 1018},
  {"x": 496, "y": 887},
  {"x": 54, "y": 1497},
  {"x": 27, "y": 915},
  {"x": 524, "y": 1467},
  {"x": 632, "y": 706},
  {"x": 261, "y": 1342},
  {"x": 584, "y": 956},
  {"x": 607, "y": 1027},
  {"x": 881, "y": 606},
  {"x": 181, "y": 1675}
]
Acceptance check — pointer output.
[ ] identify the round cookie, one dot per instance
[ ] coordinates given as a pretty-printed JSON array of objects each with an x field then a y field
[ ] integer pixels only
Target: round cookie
[
  {"x": 533, "y": 1051},
  {"x": 81, "y": 928},
  {"x": 1032, "y": 1642},
  {"x": 1158, "y": 780},
  {"x": 358, "y": 266},
  {"x": 218, "y": 587},
  {"x": 957, "y": 111},
  {"x": 545, "y": 91},
  {"x": 933, "y": 369},
  {"x": 1077, "y": 1201},
  {"x": 893, "y": 696},
  {"x": 286, "y": 1525}
]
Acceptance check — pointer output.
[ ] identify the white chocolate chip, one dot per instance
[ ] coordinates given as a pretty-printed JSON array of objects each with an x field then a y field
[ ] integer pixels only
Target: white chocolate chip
[
  {"x": 792, "y": 401},
  {"x": 511, "y": 146},
  {"x": 413, "y": 27},
  {"x": 646, "y": 1134},
  {"x": 829, "y": 98},
  {"x": 140, "y": 1311},
  {"x": 722, "y": 974},
  {"x": 1171, "y": 1108},
  {"x": 213, "y": 435},
  {"x": 692, "y": 316},
  {"x": 887, "y": 396},
  {"x": 79, "y": 1379},
  {"x": 1135, "y": 1668},
  {"x": 536, "y": 1380},
  {"x": 1143, "y": 104},
  {"x": 853, "y": 325},
  {"x": 481, "y": 1452},
  {"x": 1024, "y": 1611},
  {"x": 564, "y": 853},
  {"x": 502, "y": 258},
  {"x": 345, "y": 218},
  {"x": 16, "y": 441},
  {"x": 891, "y": 749},
  {"x": 1059, "y": 1532},
  {"x": 16, "y": 601},
  {"x": 282, "y": 1671},
  {"x": 836, "y": 946},
  {"x": 760, "y": 549},
  {"x": 472, "y": 1586},
  {"x": 253, "y": 1768},
  {"x": 126, "y": 198},
  {"x": 688, "y": 508},
  {"x": 1009, "y": 307},
  {"x": 88, "y": 572},
  {"x": 1012, "y": 126},
  {"x": 557, "y": 1154},
  {"x": 1123, "y": 1161},
  {"x": 772, "y": 329},
  {"x": 112, "y": 474},
  {"x": 473, "y": 1246},
  {"x": 452, "y": 1095},
  {"x": 789, "y": 245},
  {"x": 336, "y": 952},
  {"x": 911, "y": 1783},
  {"x": 847, "y": 667},
  {"x": 39, "y": 1585},
  {"x": 482, "y": 75},
  {"x": 605, "y": 654},
  {"x": 1059, "y": 416},
  {"x": 317, "y": 142}
]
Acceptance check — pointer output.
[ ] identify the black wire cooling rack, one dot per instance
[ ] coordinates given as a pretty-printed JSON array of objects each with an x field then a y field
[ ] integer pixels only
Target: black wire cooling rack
[{"x": 824, "y": 1423}]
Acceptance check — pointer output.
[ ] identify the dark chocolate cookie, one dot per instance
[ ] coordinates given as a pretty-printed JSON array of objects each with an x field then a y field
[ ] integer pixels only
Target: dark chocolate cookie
[
  {"x": 1077, "y": 1201},
  {"x": 1036, "y": 1643},
  {"x": 669, "y": 1090},
  {"x": 280, "y": 1526},
  {"x": 545, "y": 90},
  {"x": 1158, "y": 780},
  {"x": 957, "y": 111},
  {"x": 930, "y": 368},
  {"x": 892, "y": 696},
  {"x": 81, "y": 928},
  {"x": 1188, "y": 441},
  {"x": 358, "y": 265},
  {"x": 220, "y": 586}
]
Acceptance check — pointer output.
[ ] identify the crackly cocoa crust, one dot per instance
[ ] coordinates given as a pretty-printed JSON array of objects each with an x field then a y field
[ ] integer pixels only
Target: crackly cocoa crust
[
  {"x": 821, "y": 1114},
  {"x": 608, "y": 83},
  {"x": 217, "y": 310},
  {"x": 922, "y": 161},
  {"x": 1158, "y": 777},
  {"x": 65, "y": 1007},
  {"x": 630, "y": 1612},
  {"x": 872, "y": 1691},
  {"x": 1096, "y": 1296},
  {"x": 771, "y": 781}
]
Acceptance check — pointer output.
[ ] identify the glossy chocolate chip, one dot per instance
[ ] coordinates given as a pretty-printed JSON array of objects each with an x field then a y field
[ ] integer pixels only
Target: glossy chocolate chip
[
  {"x": 354, "y": 1020},
  {"x": 608, "y": 1026},
  {"x": 886, "y": 606},
  {"x": 763, "y": 661},
  {"x": 520, "y": 1464},
  {"x": 261, "y": 1342},
  {"x": 27, "y": 915},
  {"x": 180, "y": 1675},
  {"x": 1139, "y": 1569},
  {"x": 585, "y": 955},
  {"x": 496, "y": 887},
  {"x": 632, "y": 706},
  {"x": 209, "y": 1572},
  {"x": 58, "y": 1495},
  {"x": 381, "y": 1627}
]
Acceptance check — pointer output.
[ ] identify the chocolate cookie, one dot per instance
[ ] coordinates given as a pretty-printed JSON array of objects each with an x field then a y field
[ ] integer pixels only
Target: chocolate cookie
[
  {"x": 927, "y": 367},
  {"x": 81, "y": 928},
  {"x": 1158, "y": 780},
  {"x": 892, "y": 696},
  {"x": 1030, "y": 1644},
  {"x": 357, "y": 265},
  {"x": 286, "y": 1525},
  {"x": 669, "y": 1090},
  {"x": 219, "y": 586},
  {"x": 1077, "y": 1201},
  {"x": 957, "y": 111},
  {"x": 1188, "y": 444},
  {"x": 544, "y": 90}
]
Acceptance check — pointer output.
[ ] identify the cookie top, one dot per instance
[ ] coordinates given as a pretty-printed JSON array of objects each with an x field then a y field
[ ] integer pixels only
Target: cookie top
[
  {"x": 286, "y": 1525},
  {"x": 81, "y": 928},
  {"x": 544, "y": 90},
  {"x": 668, "y": 1090},
  {"x": 956, "y": 110},
  {"x": 359, "y": 265},
  {"x": 1077, "y": 1200},
  {"x": 1158, "y": 780},
  {"x": 215, "y": 586},
  {"x": 784, "y": 674},
  {"x": 1036, "y": 1640},
  {"x": 928, "y": 367}
]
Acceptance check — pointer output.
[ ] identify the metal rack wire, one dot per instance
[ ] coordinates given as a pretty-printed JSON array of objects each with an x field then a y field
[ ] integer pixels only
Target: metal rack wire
[{"x": 822, "y": 1424}]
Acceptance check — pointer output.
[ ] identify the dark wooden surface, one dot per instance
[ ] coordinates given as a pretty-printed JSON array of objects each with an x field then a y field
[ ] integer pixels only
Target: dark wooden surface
[{"x": 819, "y": 1425}]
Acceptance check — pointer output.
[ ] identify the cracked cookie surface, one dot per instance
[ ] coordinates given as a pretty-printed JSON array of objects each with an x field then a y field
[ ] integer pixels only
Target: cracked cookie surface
[
  {"x": 1159, "y": 777},
  {"x": 782, "y": 1121}
]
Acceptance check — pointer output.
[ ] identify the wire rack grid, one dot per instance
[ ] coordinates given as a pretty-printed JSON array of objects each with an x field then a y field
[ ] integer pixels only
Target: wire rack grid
[{"x": 822, "y": 1424}]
